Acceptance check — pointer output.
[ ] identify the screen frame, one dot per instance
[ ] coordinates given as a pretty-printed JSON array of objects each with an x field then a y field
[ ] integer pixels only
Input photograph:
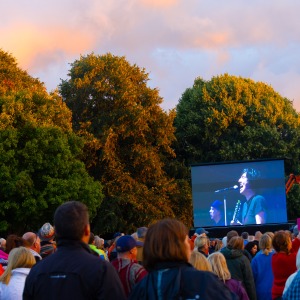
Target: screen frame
[{"x": 273, "y": 178}]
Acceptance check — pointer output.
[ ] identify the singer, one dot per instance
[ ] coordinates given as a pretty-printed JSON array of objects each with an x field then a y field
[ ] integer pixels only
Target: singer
[{"x": 254, "y": 209}]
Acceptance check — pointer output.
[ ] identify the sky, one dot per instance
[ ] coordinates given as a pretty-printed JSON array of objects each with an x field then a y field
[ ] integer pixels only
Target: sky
[{"x": 176, "y": 41}]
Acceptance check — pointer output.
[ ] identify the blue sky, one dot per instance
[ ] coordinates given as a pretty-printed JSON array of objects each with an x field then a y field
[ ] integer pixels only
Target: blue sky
[{"x": 174, "y": 40}]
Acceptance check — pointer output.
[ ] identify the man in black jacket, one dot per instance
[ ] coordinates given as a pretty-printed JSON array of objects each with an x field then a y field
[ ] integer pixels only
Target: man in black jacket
[{"x": 73, "y": 272}]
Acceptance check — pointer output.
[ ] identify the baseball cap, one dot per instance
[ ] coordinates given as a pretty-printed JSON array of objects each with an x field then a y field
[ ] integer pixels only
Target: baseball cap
[
  {"x": 126, "y": 243},
  {"x": 201, "y": 231}
]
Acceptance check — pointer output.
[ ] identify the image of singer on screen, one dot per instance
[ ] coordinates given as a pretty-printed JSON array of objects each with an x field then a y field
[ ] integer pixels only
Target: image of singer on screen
[
  {"x": 254, "y": 208},
  {"x": 216, "y": 213}
]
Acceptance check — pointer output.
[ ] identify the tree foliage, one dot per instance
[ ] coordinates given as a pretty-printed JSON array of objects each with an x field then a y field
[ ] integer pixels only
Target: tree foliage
[
  {"x": 128, "y": 139},
  {"x": 39, "y": 165},
  {"x": 231, "y": 118}
]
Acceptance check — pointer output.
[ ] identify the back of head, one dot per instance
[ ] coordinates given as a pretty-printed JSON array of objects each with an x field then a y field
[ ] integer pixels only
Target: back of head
[
  {"x": 236, "y": 242},
  {"x": 14, "y": 241},
  {"x": 224, "y": 241},
  {"x": 245, "y": 235},
  {"x": 141, "y": 232},
  {"x": 251, "y": 238},
  {"x": 219, "y": 265},
  {"x": 99, "y": 242},
  {"x": 46, "y": 232},
  {"x": 281, "y": 242},
  {"x": 199, "y": 261},
  {"x": 70, "y": 220},
  {"x": 165, "y": 241},
  {"x": 265, "y": 243},
  {"x": 92, "y": 238},
  {"x": 19, "y": 257},
  {"x": 231, "y": 234},
  {"x": 200, "y": 241},
  {"x": 257, "y": 235}
]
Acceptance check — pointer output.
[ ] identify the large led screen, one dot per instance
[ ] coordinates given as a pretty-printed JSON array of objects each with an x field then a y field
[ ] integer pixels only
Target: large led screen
[{"x": 239, "y": 193}]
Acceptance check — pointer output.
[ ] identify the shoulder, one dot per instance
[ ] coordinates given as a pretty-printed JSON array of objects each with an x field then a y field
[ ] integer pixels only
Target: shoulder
[{"x": 258, "y": 198}]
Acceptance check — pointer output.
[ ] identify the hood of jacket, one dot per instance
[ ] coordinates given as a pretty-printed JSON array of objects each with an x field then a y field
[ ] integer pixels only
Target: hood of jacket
[{"x": 231, "y": 253}]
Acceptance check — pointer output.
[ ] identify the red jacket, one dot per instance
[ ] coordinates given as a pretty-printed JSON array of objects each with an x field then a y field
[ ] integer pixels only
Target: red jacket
[{"x": 283, "y": 266}]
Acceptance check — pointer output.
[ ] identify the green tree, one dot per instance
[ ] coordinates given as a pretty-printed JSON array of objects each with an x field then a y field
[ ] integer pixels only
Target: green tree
[
  {"x": 128, "y": 139},
  {"x": 231, "y": 118},
  {"x": 39, "y": 153}
]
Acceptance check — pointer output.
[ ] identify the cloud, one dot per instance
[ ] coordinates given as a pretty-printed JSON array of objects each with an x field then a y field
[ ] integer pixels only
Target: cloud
[{"x": 175, "y": 40}]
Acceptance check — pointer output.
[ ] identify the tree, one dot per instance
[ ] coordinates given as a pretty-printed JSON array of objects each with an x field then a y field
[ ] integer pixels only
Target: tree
[
  {"x": 39, "y": 153},
  {"x": 231, "y": 118},
  {"x": 112, "y": 103}
]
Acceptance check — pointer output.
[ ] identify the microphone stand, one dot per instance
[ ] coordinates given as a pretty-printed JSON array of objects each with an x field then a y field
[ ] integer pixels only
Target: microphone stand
[{"x": 225, "y": 210}]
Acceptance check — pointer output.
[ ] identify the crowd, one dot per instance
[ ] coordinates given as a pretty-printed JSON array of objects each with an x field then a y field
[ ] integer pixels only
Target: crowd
[{"x": 67, "y": 261}]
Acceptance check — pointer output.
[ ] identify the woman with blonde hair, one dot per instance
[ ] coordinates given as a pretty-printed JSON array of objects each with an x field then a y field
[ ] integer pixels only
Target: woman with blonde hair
[
  {"x": 261, "y": 268},
  {"x": 219, "y": 267},
  {"x": 166, "y": 255},
  {"x": 12, "y": 281},
  {"x": 199, "y": 261}
]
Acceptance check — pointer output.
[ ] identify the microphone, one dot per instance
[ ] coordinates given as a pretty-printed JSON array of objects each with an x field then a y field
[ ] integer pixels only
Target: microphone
[{"x": 227, "y": 189}]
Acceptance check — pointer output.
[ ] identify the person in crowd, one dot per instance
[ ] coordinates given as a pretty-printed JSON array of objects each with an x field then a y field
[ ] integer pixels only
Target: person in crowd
[
  {"x": 198, "y": 232},
  {"x": 251, "y": 247},
  {"x": 239, "y": 265},
  {"x": 3, "y": 258},
  {"x": 219, "y": 245},
  {"x": 99, "y": 242},
  {"x": 245, "y": 236},
  {"x": 14, "y": 241},
  {"x": 141, "y": 234},
  {"x": 2, "y": 244},
  {"x": 262, "y": 270},
  {"x": 12, "y": 280},
  {"x": 254, "y": 209},
  {"x": 250, "y": 238},
  {"x": 112, "y": 252},
  {"x": 46, "y": 235},
  {"x": 134, "y": 235},
  {"x": 224, "y": 241},
  {"x": 166, "y": 255},
  {"x": 219, "y": 267},
  {"x": 283, "y": 262},
  {"x": 212, "y": 246},
  {"x": 94, "y": 248},
  {"x": 202, "y": 245},
  {"x": 296, "y": 239},
  {"x": 33, "y": 244},
  {"x": 292, "y": 277},
  {"x": 129, "y": 270},
  {"x": 216, "y": 213},
  {"x": 73, "y": 272},
  {"x": 199, "y": 261},
  {"x": 257, "y": 237}
]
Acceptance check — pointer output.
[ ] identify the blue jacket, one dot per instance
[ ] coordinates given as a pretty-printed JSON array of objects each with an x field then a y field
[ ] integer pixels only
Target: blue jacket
[
  {"x": 263, "y": 275},
  {"x": 73, "y": 272},
  {"x": 179, "y": 280}
]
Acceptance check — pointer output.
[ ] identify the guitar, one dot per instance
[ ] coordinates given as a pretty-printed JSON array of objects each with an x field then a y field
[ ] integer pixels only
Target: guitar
[{"x": 236, "y": 214}]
